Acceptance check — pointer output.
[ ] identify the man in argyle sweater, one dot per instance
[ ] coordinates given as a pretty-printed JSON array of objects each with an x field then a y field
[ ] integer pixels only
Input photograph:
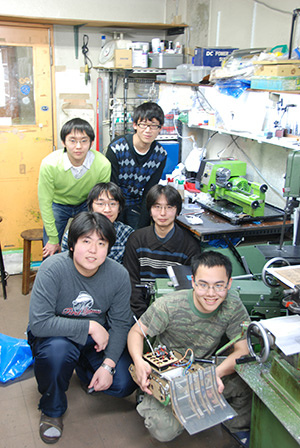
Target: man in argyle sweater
[{"x": 137, "y": 162}]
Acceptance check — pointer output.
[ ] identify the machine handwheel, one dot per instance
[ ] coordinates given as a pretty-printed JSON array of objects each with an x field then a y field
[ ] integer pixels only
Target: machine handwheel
[
  {"x": 267, "y": 278},
  {"x": 254, "y": 204},
  {"x": 257, "y": 330},
  {"x": 263, "y": 188}
]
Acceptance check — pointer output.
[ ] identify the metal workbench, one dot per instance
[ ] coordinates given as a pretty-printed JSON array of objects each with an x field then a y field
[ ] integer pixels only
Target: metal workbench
[{"x": 215, "y": 226}]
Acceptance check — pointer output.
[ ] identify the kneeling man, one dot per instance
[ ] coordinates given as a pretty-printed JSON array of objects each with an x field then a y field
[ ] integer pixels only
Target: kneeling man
[{"x": 79, "y": 319}]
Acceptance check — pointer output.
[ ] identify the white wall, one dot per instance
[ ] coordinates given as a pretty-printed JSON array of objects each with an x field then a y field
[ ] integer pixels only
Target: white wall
[
  {"x": 250, "y": 23},
  {"x": 112, "y": 10},
  {"x": 195, "y": 13}
]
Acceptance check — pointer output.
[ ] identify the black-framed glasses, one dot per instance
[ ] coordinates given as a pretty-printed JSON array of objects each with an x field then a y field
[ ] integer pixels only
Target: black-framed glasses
[
  {"x": 153, "y": 127},
  {"x": 218, "y": 287}
]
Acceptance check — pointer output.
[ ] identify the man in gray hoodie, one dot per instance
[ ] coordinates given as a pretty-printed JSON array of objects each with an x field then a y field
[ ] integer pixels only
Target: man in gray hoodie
[{"x": 79, "y": 318}]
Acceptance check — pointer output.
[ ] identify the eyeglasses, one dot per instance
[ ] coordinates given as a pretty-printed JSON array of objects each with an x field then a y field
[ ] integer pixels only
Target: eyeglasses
[
  {"x": 153, "y": 127},
  {"x": 74, "y": 141},
  {"x": 102, "y": 204},
  {"x": 218, "y": 287},
  {"x": 159, "y": 207}
]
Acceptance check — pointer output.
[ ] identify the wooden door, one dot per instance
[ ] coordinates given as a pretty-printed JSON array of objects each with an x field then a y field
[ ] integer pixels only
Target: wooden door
[{"x": 26, "y": 125}]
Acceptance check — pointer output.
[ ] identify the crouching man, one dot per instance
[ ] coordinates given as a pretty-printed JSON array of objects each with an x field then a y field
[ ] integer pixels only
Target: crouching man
[
  {"x": 79, "y": 319},
  {"x": 195, "y": 319}
]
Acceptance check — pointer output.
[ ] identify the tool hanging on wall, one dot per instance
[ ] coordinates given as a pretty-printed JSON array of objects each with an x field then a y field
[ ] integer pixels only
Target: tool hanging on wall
[{"x": 87, "y": 61}]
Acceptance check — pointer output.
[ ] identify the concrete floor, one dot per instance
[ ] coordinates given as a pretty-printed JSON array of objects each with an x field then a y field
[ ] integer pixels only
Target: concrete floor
[{"x": 90, "y": 421}]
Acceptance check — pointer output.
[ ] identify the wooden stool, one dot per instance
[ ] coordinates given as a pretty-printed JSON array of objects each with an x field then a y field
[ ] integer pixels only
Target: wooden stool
[{"x": 29, "y": 276}]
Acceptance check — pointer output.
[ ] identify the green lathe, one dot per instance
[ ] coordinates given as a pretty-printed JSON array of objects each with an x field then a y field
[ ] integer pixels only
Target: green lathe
[{"x": 224, "y": 179}]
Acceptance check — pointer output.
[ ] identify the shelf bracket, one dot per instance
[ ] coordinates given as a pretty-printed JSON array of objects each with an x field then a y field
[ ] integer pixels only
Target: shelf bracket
[
  {"x": 76, "y": 35},
  {"x": 175, "y": 30}
]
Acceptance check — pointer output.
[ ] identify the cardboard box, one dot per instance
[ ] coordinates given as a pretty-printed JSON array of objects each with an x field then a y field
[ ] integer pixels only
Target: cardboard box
[
  {"x": 211, "y": 57},
  {"x": 123, "y": 58},
  {"x": 279, "y": 83},
  {"x": 279, "y": 68}
]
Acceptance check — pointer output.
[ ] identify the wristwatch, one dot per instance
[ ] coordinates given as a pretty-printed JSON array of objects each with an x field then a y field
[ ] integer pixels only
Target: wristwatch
[{"x": 110, "y": 369}]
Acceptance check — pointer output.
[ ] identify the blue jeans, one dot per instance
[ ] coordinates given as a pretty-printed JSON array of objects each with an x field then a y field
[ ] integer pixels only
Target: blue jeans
[
  {"x": 62, "y": 213},
  {"x": 55, "y": 360}
]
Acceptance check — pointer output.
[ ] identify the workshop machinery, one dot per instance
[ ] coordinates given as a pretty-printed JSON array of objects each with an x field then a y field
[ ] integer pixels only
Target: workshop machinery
[
  {"x": 224, "y": 179},
  {"x": 291, "y": 191},
  {"x": 274, "y": 377},
  {"x": 261, "y": 295}
]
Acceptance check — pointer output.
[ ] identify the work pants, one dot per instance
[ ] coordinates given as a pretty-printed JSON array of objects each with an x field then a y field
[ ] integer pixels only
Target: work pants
[
  {"x": 55, "y": 360},
  {"x": 239, "y": 396},
  {"x": 164, "y": 426},
  {"x": 62, "y": 214}
]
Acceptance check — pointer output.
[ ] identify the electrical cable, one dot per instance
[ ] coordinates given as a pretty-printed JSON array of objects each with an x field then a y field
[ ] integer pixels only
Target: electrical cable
[
  {"x": 210, "y": 110},
  {"x": 184, "y": 356},
  {"x": 272, "y": 7},
  {"x": 256, "y": 169},
  {"x": 87, "y": 61},
  {"x": 234, "y": 141}
]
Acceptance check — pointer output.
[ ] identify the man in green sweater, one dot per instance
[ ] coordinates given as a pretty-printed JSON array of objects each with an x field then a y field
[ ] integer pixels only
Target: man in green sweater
[{"x": 66, "y": 177}]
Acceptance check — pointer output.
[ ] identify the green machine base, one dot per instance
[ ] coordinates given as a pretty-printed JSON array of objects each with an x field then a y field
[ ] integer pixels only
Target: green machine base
[{"x": 275, "y": 421}]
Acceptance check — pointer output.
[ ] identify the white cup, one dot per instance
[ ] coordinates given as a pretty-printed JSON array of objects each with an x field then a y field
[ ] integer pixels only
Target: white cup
[{"x": 155, "y": 45}]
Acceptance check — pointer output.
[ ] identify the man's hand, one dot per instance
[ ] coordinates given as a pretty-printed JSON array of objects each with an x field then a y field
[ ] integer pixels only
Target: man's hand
[
  {"x": 220, "y": 384},
  {"x": 99, "y": 335},
  {"x": 50, "y": 249},
  {"x": 143, "y": 370},
  {"x": 102, "y": 380}
]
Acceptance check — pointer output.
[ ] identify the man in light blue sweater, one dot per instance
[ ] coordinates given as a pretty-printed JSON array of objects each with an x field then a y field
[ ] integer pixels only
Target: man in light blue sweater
[{"x": 79, "y": 318}]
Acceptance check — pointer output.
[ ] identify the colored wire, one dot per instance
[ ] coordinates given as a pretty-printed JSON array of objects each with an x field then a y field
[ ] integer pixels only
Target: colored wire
[{"x": 187, "y": 362}]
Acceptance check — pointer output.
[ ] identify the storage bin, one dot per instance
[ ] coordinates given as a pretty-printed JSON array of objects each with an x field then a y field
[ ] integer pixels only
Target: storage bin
[{"x": 198, "y": 72}]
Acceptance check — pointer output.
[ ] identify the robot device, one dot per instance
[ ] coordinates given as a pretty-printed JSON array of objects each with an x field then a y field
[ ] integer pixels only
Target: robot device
[{"x": 189, "y": 388}]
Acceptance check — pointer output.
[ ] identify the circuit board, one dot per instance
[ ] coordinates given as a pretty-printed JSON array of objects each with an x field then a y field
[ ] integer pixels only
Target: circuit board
[{"x": 162, "y": 358}]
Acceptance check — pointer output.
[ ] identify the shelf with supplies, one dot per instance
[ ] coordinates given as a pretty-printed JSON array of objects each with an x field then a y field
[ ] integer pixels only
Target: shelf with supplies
[
  {"x": 138, "y": 85},
  {"x": 259, "y": 115},
  {"x": 243, "y": 117},
  {"x": 285, "y": 142}
]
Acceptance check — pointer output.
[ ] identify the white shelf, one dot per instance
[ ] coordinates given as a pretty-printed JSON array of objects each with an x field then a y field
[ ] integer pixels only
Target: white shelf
[
  {"x": 133, "y": 70},
  {"x": 284, "y": 142}
]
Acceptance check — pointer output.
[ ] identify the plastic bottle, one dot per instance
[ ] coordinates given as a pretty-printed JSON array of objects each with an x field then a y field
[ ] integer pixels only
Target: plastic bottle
[
  {"x": 122, "y": 43},
  {"x": 144, "y": 59},
  {"x": 177, "y": 171},
  {"x": 186, "y": 197},
  {"x": 180, "y": 188},
  {"x": 171, "y": 181}
]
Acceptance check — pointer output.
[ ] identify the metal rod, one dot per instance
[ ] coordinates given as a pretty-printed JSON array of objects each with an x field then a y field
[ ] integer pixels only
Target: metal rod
[{"x": 145, "y": 336}]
